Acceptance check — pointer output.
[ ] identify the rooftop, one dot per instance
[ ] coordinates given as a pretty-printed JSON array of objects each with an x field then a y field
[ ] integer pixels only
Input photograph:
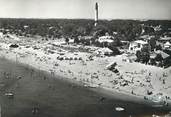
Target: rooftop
[
  {"x": 141, "y": 42},
  {"x": 165, "y": 38}
]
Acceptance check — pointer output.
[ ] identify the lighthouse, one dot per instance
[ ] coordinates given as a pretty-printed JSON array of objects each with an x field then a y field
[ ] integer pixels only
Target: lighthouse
[{"x": 96, "y": 14}]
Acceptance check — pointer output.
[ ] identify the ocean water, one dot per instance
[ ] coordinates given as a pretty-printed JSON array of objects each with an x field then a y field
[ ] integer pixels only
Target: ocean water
[{"x": 38, "y": 94}]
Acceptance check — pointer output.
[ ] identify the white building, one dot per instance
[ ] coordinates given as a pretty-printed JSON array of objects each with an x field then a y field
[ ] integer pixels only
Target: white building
[
  {"x": 108, "y": 39},
  {"x": 167, "y": 45},
  {"x": 164, "y": 42},
  {"x": 137, "y": 45},
  {"x": 165, "y": 39},
  {"x": 146, "y": 37}
]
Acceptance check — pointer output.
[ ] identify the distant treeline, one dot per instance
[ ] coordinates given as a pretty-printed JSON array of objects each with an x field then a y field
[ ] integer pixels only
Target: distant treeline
[{"x": 56, "y": 28}]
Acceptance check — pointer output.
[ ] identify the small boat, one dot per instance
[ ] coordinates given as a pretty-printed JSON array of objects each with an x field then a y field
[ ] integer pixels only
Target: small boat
[
  {"x": 9, "y": 95},
  {"x": 119, "y": 109}
]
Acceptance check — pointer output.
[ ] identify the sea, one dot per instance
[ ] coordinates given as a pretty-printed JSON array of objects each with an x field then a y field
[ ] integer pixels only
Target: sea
[{"x": 28, "y": 92}]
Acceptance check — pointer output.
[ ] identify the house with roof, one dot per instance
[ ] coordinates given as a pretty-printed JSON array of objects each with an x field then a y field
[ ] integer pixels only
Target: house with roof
[
  {"x": 105, "y": 40},
  {"x": 162, "y": 58},
  {"x": 87, "y": 40},
  {"x": 163, "y": 54},
  {"x": 108, "y": 39},
  {"x": 165, "y": 42},
  {"x": 167, "y": 45},
  {"x": 138, "y": 45},
  {"x": 165, "y": 39},
  {"x": 146, "y": 37}
]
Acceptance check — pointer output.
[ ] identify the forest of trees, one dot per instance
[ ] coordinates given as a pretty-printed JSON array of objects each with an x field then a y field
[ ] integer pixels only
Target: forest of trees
[{"x": 55, "y": 28}]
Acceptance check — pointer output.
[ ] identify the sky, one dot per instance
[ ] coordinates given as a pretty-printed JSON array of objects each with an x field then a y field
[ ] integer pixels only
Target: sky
[{"x": 108, "y": 9}]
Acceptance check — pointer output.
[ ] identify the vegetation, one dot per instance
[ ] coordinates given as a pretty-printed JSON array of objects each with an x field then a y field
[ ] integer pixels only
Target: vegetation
[
  {"x": 143, "y": 55},
  {"x": 152, "y": 43},
  {"x": 115, "y": 50},
  {"x": 127, "y": 30},
  {"x": 158, "y": 47}
]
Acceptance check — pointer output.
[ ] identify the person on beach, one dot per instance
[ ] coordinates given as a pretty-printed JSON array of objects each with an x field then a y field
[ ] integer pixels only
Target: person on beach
[
  {"x": 67, "y": 40},
  {"x": 35, "y": 110}
]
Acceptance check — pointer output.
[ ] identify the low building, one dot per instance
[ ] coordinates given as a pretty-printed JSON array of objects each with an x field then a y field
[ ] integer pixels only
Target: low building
[
  {"x": 138, "y": 45},
  {"x": 106, "y": 40},
  {"x": 164, "y": 59},
  {"x": 104, "y": 51},
  {"x": 87, "y": 40},
  {"x": 164, "y": 42},
  {"x": 163, "y": 54},
  {"x": 146, "y": 37},
  {"x": 164, "y": 39}
]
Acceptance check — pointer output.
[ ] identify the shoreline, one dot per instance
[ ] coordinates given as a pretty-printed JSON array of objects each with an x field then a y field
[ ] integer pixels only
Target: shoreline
[
  {"x": 55, "y": 96},
  {"x": 110, "y": 93},
  {"x": 40, "y": 61}
]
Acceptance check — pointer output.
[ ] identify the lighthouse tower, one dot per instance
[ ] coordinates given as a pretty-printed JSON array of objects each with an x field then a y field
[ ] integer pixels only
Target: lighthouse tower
[{"x": 96, "y": 14}]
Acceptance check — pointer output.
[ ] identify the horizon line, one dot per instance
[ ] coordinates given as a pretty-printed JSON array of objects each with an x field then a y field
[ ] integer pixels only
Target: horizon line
[{"x": 109, "y": 19}]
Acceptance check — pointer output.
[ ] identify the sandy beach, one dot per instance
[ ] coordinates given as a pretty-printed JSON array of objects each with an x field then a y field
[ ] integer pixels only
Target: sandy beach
[
  {"x": 58, "y": 96},
  {"x": 73, "y": 62}
]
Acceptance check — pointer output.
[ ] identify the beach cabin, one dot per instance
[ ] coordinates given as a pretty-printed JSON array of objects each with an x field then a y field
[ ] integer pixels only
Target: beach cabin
[{"x": 137, "y": 45}]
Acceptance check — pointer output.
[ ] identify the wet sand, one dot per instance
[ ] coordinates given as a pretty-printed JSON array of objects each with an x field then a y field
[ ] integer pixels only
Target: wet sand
[{"x": 56, "y": 97}]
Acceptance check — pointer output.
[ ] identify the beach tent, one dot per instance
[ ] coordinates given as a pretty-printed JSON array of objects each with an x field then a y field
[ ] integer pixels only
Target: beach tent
[{"x": 104, "y": 51}]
